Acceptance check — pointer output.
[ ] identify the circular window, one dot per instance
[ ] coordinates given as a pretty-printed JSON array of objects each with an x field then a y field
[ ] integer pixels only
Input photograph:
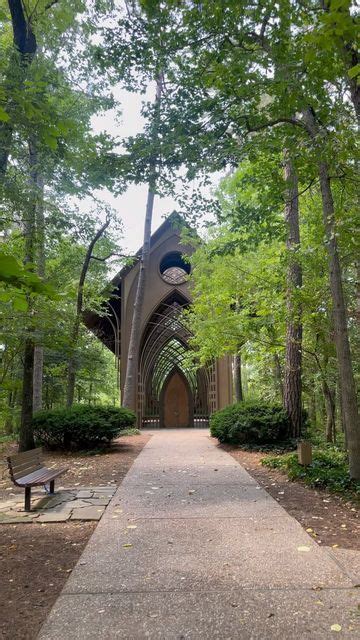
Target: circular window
[{"x": 174, "y": 269}]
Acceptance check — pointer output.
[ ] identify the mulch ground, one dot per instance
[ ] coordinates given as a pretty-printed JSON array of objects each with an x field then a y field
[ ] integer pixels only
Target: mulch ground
[
  {"x": 329, "y": 519},
  {"x": 35, "y": 560}
]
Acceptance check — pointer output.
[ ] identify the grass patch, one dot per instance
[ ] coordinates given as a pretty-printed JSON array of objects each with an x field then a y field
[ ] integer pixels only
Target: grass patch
[
  {"x": 130, "y": 432},
  {"x": 4, "y": 438},
  {"x": 276, "y": 448},
  {"x": 329, "y": 470}
]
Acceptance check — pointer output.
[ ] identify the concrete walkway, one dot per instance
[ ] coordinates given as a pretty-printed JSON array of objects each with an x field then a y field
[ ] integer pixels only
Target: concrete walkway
[{"x": 191, "y": 547}]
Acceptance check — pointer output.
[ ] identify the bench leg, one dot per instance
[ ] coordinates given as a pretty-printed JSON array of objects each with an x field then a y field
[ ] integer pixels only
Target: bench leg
[
  {"x": 52, "y": 486},
  {"x": 27, "y": 498}
]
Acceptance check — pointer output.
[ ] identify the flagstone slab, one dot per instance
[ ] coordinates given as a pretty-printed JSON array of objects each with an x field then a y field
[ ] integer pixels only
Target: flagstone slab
[
  {"x": 99, "y": 502},
  {"x": 87, "y": 513},
  {"x": 59, "y": 516},
  {"x": 110, "y": 487},
  {"x": 15, "y": 520},
  {"x": 84, "y": 494},
  {"x": 57, "y": 508}
]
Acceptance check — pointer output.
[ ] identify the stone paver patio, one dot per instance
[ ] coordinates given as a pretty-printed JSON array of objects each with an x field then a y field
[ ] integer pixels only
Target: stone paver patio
[
  {"x": 80, "y": 503},
  {"x": 191, "y": 547}
]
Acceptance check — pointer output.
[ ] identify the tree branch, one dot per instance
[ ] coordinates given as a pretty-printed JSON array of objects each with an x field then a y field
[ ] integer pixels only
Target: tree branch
[
  {"x": 272, "y": 123},
  {"x": 113, "y": 253}
]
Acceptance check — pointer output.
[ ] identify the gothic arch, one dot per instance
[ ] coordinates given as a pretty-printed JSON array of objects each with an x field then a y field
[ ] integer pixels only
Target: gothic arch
[{"x": 164, "y": 347}]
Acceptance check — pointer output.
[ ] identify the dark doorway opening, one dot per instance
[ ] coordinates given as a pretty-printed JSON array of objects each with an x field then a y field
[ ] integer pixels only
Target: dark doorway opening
[{"x": 176, "y": 402}]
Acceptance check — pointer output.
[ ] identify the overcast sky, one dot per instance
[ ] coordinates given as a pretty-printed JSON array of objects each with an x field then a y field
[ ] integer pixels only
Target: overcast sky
[{"x": 131, "y": 204}]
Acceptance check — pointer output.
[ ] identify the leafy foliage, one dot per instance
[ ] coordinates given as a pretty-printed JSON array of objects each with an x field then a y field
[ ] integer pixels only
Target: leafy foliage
[
  {"x": 16, "y": 275},
  {"x": 249, "y": 422},
  {"x": 329, "y": 470},
  {"x": 80, "y": 426}
]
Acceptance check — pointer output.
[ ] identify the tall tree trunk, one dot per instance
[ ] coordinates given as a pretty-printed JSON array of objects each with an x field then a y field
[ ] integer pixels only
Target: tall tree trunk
[
  {"x": 313, "y": 405},
  {"x": 278, "y": 377},
  {"x": 238, "y": 388},
  {"x": 40, "y": 261},
  {"x": 9, "y": 422},
  {"x": 130, "y": 386},
  {"x": 357, "y": 293},
  {"x": 25, "y": 44},
  {"x": 26, "y": 438},
  {"x": 329, "y": 397},
  {"x": 47, "y": 397},
  {"x": 346, "y": 375},
  {"x": 74, "y": 337},
  {"x": 6, "y": 134},
  {"x": 72, "y": 364},
  {"x": 293, "y": 353},
  {"x": 38, "y": 377},
  {"x": 341, "y": 336},
  {"x": 25, "y": 48}
]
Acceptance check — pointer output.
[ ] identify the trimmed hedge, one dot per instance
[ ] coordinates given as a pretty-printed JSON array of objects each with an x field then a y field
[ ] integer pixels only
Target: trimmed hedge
[
  {"x": 250, "y": 422},
  {"x": 81, "y": 426}
]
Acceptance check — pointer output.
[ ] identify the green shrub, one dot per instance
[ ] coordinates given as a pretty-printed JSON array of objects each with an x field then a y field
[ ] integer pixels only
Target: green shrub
[
  {"x": 249, "y": 422},
  {"x": 80, "y": 426},
  {"x": 329, "y": 470}
]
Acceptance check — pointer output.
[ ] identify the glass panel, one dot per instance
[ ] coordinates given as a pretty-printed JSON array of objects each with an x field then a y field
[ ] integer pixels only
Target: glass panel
[{"x": 174, "y": 275}]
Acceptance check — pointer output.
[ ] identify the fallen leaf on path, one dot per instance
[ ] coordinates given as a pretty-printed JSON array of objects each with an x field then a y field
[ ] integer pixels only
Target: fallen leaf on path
[
  {"x": 303, "y": 548},
  {"x": 127, "y": 545},
  {"x": 335, "y": 627}
]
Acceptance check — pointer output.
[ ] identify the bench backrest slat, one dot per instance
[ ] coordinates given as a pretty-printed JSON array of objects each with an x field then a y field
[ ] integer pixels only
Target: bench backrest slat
[
  {"x": 25, "y": 455},
  {"x": 26, "y": 471},
  {"x": 25, "y": 463}
]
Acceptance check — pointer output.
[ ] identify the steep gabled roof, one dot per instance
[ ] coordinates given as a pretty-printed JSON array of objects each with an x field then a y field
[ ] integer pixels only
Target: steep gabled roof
[
  {"x": 101, "y": 325},
  {"x": 172, "y": 221}
]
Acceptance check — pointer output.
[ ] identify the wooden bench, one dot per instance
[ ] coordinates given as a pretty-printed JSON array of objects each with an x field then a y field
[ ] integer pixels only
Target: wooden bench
[{"x": 27, "y": 470}]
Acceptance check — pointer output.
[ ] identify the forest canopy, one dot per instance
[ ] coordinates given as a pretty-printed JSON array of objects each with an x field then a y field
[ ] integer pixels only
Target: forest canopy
[{"x": 265, "y": 93}]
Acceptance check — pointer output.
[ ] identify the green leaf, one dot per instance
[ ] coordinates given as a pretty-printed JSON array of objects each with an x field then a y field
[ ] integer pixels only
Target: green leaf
[
  {"x": 16, "y": 275},
  {"x": 354, "y": 71},
  {"x": 4, "y": 116}
]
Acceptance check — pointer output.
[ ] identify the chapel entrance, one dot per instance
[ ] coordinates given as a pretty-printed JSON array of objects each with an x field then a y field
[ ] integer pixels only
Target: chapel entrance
[
  {"x": 175, "y": 402},
  {"x": 172, "y": 389}
]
